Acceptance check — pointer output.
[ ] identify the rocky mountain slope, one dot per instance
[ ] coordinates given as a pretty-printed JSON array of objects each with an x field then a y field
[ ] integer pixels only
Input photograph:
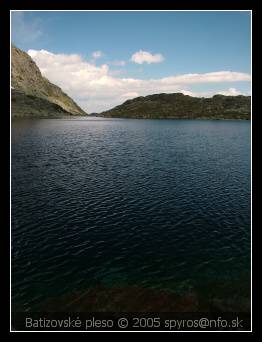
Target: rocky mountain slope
[
  {"x": 33, "y": 94},
  {"x": 180, "y": 106}
]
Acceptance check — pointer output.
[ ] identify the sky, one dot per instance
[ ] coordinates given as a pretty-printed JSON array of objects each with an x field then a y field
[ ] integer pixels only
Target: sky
[{"x": 103, "y": 58}]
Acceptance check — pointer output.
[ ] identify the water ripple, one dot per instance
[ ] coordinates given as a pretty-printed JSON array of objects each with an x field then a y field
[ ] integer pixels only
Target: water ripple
[{"x": 115, "y": 203}]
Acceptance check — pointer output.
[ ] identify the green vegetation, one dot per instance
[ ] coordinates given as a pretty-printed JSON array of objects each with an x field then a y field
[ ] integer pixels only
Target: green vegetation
[
  {"x": 24, "y": 105},
  {"x": 180, "y": 106}
]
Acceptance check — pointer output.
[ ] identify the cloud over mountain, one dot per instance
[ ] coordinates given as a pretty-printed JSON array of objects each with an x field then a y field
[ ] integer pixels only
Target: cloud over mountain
[{"x": 95, "y": 88}]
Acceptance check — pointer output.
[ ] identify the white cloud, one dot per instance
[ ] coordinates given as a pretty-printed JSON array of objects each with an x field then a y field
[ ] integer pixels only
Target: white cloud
[
  {"x": 227, "y": 92},
  {"x": 96, "y": 89},
  {"x": 24, "y": 29},
  {"x": 210, "y": 77},
  {"x": 141, "y": 57},
  {"x": 117, "y": 72},
  {"x": 130, "y": 95},
  {"x": 117, "y": 63},
  {"x": 231, "y": 91},
  {"x": 97, "y": 54}
]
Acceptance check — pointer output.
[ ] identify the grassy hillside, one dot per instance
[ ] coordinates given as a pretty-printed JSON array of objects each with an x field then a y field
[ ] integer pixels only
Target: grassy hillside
[{"x": 180, "y": 106}]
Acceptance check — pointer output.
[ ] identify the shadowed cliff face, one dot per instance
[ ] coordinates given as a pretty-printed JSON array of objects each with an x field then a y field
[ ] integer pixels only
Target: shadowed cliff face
[
  {"x": 180, "y": 106},
  {"x": 27, "y": 80},
  {"x": 24, "y": 105}
]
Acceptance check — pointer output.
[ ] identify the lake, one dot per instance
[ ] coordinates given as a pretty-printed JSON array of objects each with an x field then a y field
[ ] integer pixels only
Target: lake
[{"x": 125, "y": 214}]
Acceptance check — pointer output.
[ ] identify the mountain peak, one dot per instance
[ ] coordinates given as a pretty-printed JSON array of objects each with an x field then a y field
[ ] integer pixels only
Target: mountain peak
[{"x": 27, "y": 80}]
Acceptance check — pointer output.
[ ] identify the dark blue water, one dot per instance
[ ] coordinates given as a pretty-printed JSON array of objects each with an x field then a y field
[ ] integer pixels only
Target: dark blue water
[{"x": 120, "y": 204}]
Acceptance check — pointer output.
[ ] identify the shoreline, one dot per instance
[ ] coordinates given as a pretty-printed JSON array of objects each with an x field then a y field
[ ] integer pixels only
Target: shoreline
[{"x": 129, "y": 118}]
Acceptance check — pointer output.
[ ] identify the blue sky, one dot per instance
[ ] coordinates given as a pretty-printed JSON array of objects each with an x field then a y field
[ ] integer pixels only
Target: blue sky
[{"x": 140, "y": 46}]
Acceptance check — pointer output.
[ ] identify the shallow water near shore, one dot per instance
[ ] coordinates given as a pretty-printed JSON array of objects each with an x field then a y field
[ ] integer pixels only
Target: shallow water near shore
[{"x": 124, "y": 214}]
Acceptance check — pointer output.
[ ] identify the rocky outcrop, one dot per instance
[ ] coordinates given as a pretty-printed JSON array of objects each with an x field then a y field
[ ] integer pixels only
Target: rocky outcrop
[{"x": 33, "y": 94}]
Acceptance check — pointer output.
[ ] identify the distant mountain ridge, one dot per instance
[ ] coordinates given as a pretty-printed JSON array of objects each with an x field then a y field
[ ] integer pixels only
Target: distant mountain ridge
[
  {"x": 33, "y": 94},
  {"x": 180, "y": 106}
]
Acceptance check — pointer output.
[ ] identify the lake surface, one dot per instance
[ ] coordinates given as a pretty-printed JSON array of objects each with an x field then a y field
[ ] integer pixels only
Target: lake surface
[{"x": 110, "y": 208}]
